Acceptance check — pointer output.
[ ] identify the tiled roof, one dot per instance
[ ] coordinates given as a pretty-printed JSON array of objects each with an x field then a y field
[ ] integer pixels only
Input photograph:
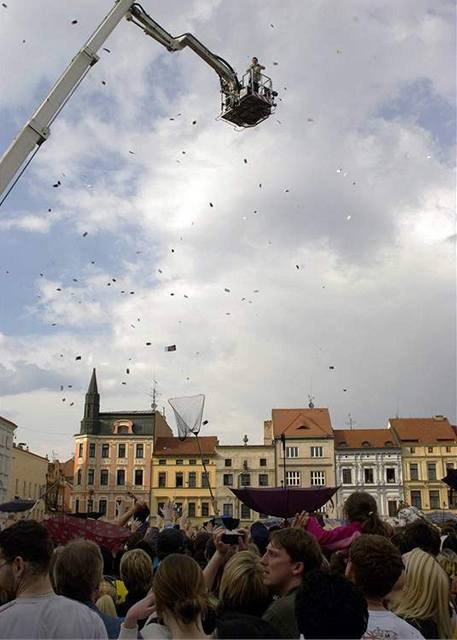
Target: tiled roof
[
  {"x": 302, "y": 423},
  {"x": 175, "y": 446},
  {"x": 364, "y": 438},
  {"x": 423, "y": 430}
]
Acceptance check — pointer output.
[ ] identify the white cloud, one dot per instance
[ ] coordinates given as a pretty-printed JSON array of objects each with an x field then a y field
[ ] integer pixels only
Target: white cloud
[{"x": 373, "y": 294}]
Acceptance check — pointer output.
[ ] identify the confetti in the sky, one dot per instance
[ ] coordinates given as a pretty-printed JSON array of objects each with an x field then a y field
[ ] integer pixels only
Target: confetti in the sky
[
  {"x": 107, "y": 50},
  {"x": 331, "y": 367},
  {"x": 211, "y": 204},
  {"x": 171, "y": 347},
  {"x": 74, "y": 22},
  {"x": 78, "y": 358}
]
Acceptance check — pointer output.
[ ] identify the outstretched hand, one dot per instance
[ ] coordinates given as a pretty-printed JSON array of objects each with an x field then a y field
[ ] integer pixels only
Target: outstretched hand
[{"x": 301, "y": 520}]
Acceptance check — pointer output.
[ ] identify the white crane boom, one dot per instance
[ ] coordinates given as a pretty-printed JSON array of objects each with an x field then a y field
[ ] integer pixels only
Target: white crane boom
[{"x": 243, "y": 106}]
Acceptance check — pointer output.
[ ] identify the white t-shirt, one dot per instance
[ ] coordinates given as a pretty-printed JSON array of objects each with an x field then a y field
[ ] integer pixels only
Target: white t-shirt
[
  {"x": 50, "y": 616},
  {"x": 385, "y": 625}
]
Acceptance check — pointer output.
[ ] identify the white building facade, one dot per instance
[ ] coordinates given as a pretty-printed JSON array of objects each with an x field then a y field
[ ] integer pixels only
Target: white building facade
[
  {"x": 369, "y": 460},
  {"x": 7, "y": 429}
]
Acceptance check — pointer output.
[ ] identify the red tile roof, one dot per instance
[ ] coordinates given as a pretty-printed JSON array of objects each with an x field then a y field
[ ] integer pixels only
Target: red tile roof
[
  {"x": 355, "y": 438},
  {"x": 302, "y": 423},
  {"x": 174, "y": 446},
  {"x": 423, "y": 430}
]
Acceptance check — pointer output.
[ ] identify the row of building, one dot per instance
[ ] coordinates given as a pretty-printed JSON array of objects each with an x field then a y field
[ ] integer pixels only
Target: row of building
[{"x": 135, "y": 452}]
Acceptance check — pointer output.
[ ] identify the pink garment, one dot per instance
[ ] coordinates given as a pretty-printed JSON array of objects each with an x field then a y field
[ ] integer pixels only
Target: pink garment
[{"x": 334, "y": 539}]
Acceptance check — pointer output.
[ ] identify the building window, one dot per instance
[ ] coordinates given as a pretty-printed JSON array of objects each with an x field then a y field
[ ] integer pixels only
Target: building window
[
  {"x": 192, "y": 461},
  {"x": 192, "y": 479},
  {"x": 162, "y": 479},
  {"x": 205, "y": 461},
  {"x": 431, "y": 470},
  {"x": 414, "y": 471},
  {"x": 291, "y": 452},
  {"x": 121, "y": 451},
  {"x": 90, "y": 505},
  {"x": 205, "y": 482},
  {"x": 90, "y": 476},
  {"x": 179, "y": 462},
  {"x": 228, "y": 462},
  {"x": 263, "y": 462},
  {"x": 191, "y": 509},
  {"x": 416, "y": 500},
  {"x": 77, "y": 505},
  {"x": 92, "y": 450},
  {"x": 317, "y": 478},
  {"x": 293, "y": 479},
  {"x": 205, "y": 509},
  {"x": 448, "y": 449},
  {"x": 245, "y": 512},
  {"x": 105, "y": 450},
  {"x": 104, "y": 477},
  {"x": 78, "y": 477},
  {"x": 120, "y": 477},
  {"x": 263, "y": 479},
  {"x": 392, "y": 508},
  {"x": 245, "y": 479},
  {"x": 434, "y": 497},
  {"x": 162, "y": 461},
  {"x": 102, "y": 506},
  {"x": 317, "y": 452},
  {"x": 160, "y": 506},
  {"x": 227, "y": 509},
  {"x": 139, "y": 453},
  {"x": 430, "y": 449},
  {"x": 412, "y": 449},
  {"x": 228, "y": 479},
  {"x": 390, "y": 475},
  {"x": 368, "y": 475},
  {"x": 138, "y": 477},
  {"x": 178, "y": 506},
  {"x": 179, "y": 479},
  {"x": 80, "y": 450},
  {"x": 347, "y": 476}
]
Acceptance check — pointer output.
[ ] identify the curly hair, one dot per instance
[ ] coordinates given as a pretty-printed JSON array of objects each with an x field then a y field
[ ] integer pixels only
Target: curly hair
[{"x": 375, "y": 564}]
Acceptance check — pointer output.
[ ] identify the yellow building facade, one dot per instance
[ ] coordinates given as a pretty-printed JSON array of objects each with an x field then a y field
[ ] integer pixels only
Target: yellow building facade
[
  {"x": 429, "y": 451},
  {"x": 178, "y": 475},
  {"x": 240, "y": 466},
  {"x": 28, "y": 478}
]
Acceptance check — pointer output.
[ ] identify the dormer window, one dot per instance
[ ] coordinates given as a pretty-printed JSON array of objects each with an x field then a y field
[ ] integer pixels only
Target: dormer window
[
  {"x": 123, "y": 427},
  {"x": 389, "y": 443},
  {"x": 366, "y": 444}
]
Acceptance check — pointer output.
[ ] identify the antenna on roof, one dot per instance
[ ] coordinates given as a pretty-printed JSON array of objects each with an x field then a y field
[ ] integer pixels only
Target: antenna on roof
[
  {"x": 310, "y": 399},
  {"x": 350, "y": 422},
  {"x": 397, "y": 412}
]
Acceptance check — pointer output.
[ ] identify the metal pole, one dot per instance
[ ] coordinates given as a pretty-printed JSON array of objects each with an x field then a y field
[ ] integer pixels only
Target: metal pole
[
  {"x": 216, "y": 510},
  {"x": 283, "y": 440}
]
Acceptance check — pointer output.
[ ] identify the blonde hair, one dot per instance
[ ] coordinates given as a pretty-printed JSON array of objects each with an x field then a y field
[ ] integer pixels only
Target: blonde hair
[
  {"x": 107, "y": 588},
  {"x": 242, "y": 588},
  {"x": 136, "y": 571},
  {"x": 426, "y": 593},
  {"x": 105, "y": 604}
]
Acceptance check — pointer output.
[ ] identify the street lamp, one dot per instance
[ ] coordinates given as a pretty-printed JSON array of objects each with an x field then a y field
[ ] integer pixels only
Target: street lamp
[{"x": 283, "y": 441}]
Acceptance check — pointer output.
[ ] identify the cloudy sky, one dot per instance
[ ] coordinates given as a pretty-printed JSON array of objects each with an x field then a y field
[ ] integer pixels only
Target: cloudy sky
[{"x": 336, "y": 239}]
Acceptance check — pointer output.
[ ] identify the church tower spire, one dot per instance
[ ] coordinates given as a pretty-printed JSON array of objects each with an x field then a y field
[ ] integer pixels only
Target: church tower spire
[{"x": 89, "y": 423}]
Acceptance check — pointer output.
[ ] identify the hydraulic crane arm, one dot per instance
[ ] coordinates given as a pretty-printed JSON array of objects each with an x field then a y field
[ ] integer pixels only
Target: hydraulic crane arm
[
  {"x": 153, "y": 29},
  {"x": 37, "y": 129}
]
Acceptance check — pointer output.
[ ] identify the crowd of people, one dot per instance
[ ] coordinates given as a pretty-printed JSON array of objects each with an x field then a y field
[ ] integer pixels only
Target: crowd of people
[{"x": 295, "y": 579}]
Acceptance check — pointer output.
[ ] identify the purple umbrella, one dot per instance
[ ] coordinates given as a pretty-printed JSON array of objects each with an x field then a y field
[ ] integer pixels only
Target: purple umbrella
[
  {"x": 16, "y": 506},
  {"x": 284, "y": 503}
]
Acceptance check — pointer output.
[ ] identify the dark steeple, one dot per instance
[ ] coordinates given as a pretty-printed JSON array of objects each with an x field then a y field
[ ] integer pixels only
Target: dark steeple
[{"x": 89, "y": 424}]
